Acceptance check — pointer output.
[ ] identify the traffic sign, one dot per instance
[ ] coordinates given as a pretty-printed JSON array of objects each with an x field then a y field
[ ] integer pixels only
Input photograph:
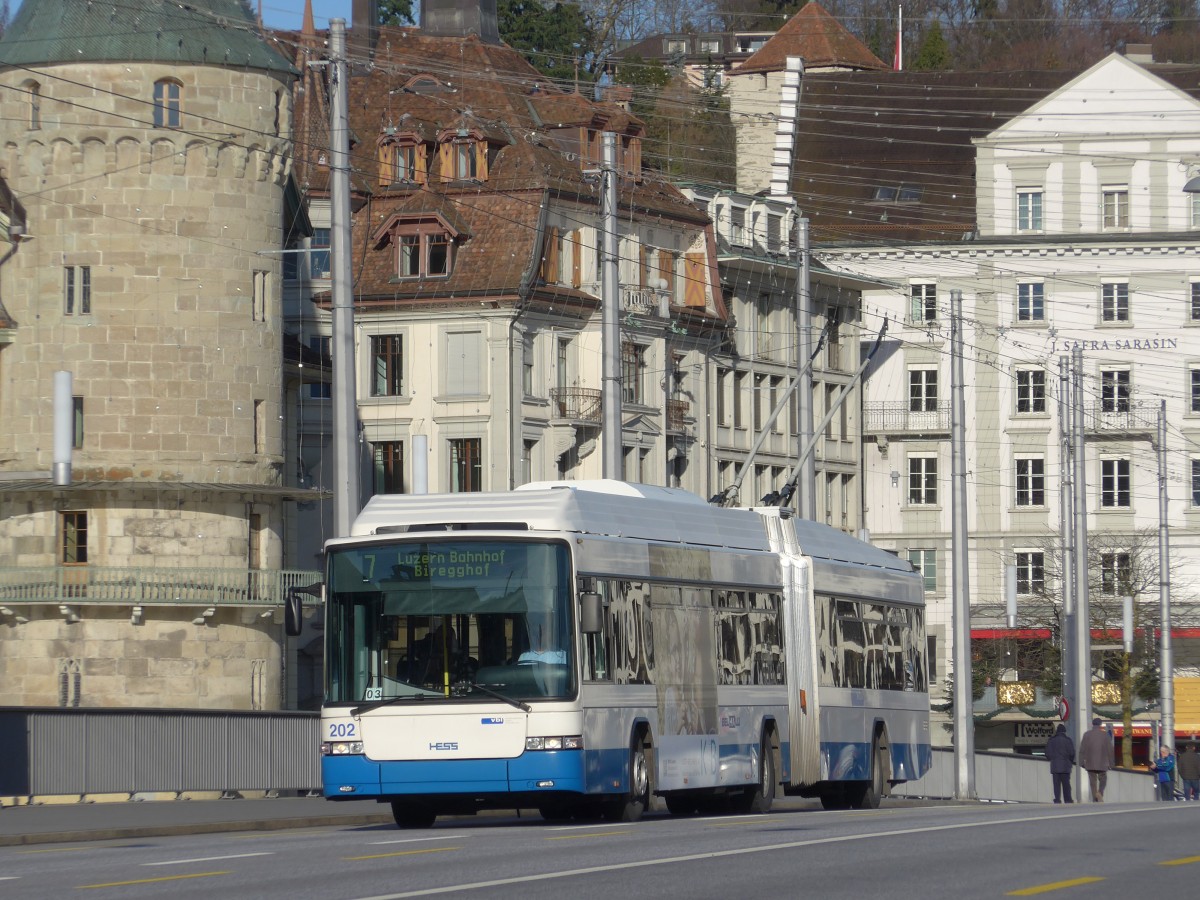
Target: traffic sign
[{"x": 1064, "y": 709}]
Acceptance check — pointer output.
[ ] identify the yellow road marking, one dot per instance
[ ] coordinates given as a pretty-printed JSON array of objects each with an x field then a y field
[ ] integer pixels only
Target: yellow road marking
[
  {"x": 55, "y": 850},
  {"x": 1052, "y": 886},
  {"x": 401, "y": 853},
  {"x": 1180, "y": 862},
  {"x": 576, "y": 837},
  {"x": 152, "y": 880}
]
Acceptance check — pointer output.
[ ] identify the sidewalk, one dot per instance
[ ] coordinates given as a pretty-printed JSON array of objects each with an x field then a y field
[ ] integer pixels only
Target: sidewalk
[{"x": 71, "y": 822}]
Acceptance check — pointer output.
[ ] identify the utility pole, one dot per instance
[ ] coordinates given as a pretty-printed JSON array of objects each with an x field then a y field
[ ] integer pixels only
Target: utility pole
[
  {"x": 806, "y": 488},
  {"x": 345, "y": 407},
  {"x": 1082, "y": 653},
  {"x": 964, "y": 718},
  {"x": 1166, "y": 664},
  {"x": 1066, "y": 633},
  {"x": 612, "y": 443}
]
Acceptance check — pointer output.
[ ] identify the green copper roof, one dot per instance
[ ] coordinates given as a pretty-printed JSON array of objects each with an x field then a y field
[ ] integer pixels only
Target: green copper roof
[{"x": 196, "y": 32}]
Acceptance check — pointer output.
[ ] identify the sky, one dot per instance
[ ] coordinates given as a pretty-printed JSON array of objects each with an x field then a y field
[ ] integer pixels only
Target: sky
[{"x": 285, "y": 14}]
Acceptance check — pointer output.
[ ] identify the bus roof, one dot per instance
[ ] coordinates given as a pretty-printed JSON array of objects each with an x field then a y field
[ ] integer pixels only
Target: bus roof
[
  {"x": 823, "y": 542},
  {"x": 603, "y": 507}
]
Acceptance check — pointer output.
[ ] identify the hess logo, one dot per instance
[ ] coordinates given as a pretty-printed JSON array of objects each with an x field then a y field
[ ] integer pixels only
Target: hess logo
[{"x": 444, "y": 745}]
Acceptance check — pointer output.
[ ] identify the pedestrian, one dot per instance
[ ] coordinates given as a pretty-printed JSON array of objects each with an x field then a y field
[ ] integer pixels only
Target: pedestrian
[
  {"x": 1096, "y": 756},
  {"x": 1164, "y": 773},
  {"x": 1060, "y": 750},
  {"x": 1188, "y": 765}
]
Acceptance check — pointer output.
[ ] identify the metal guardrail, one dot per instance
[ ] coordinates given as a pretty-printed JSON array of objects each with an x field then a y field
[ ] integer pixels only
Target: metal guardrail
[
  {"x": 899, "y": 418},
  {"x": 112, "y": 584},
  {"x": 576, "y": 404},
  {"x": 49, "y": 751},
  {"x": 1011, "y": 778}
]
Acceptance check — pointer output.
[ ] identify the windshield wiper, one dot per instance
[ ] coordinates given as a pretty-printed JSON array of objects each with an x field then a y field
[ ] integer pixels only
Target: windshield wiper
[
  {"x": 367, "y": 707},
  {"x": 512, "y": 701}
]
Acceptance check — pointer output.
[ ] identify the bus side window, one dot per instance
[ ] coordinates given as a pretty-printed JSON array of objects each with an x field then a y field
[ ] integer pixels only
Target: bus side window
[{"x": 597, "y": 647}]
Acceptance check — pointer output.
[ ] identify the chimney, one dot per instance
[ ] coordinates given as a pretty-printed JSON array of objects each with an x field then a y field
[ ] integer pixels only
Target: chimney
[
  {"x": 460, "y": 18},
  {"x": 1142, "y": 54},
  {"x": 364, "y": 29}
]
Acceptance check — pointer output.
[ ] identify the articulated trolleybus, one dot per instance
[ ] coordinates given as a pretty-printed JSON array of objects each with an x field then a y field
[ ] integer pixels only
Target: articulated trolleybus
[{"x": 581, "y": 647}]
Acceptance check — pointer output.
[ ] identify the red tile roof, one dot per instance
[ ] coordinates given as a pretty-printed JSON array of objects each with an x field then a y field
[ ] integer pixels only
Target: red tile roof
[{"x": 816, "y": 36}]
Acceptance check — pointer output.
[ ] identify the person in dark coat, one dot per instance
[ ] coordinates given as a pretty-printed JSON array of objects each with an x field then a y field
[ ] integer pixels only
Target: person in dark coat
[
  {"x": 1060, "y": 751},
  {"x": 1188, "y": 766},
  {"x": 1096, "y": 756}
]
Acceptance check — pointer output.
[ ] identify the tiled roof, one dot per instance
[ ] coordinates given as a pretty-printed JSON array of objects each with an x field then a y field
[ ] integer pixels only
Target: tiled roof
[
  {"x": 816, "y": 36},
  {"x": 200, "y": 32},
  {"x": 491, "y": 90},
  {"x": 859, "y": 132}
]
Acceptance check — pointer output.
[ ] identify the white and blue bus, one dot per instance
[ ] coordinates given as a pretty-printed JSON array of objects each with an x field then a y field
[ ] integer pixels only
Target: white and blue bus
[{"x": 580, "y": 647}]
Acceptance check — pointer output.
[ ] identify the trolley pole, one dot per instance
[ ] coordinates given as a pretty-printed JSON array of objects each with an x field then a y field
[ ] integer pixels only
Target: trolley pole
[
  {"x": 1082, "y": 651},
  {"x": 806, "y": 481},
  {"x": 612, "y": 448},
  {"x": 1166, "y": 664}
]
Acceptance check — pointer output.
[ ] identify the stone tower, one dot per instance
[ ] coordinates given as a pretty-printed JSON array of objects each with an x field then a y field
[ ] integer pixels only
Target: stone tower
[{"x": 149, "y": 145}]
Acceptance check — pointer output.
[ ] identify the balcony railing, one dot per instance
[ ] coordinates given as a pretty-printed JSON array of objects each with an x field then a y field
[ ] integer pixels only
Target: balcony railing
[
  {"x": 111, "y": 584},
  {"x": 576, "y": 404},
  {"x": 1121, "y": 416},
  {"x": 898, "y": 418},
  {"x": 677, "y": 414}
]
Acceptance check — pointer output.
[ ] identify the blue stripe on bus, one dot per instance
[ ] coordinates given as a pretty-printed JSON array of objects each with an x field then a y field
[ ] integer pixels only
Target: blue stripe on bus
[
  {"x": 850, "y": 761},
  {"x": 368, "y": 778}
]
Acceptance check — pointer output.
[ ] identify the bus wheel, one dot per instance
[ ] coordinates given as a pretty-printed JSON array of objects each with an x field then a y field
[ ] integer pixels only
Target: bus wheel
[
  {"x": 758, "y": 799},
  {"x": 630, "y": 806},
  {"x": 867, "y": 794},
  {"x": 410, "y": 814}
]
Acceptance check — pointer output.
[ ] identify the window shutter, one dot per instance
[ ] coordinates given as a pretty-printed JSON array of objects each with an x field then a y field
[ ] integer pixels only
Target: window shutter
[
  {"x": 422, "y": 164},
  {"x": 643, "y": 274},
  {"x": 387, "y": 165},
  {"x": 576, "y": 259},
  {"x": 693, "y": 272},
  {"x": 481, "y": 160},
  {"x": 446, "y": 161},
  {"x": 550, "y": 256}
]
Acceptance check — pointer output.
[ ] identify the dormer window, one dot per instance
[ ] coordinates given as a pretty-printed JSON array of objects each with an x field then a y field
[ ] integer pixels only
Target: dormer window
[
  {"x": 424, "y": 245},
  {"x": 402, "y": 160},
  {"x": 464, "y": 156}
]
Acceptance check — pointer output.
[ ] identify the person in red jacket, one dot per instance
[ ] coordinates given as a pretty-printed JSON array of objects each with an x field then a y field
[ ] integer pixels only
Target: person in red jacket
[{"x": 1096, "y": 756}]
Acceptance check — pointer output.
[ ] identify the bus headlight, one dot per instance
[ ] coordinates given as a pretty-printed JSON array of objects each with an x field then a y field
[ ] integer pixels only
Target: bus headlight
[
  {"x": 567, "y": 742},
  {"x": 341, "y": 748}
]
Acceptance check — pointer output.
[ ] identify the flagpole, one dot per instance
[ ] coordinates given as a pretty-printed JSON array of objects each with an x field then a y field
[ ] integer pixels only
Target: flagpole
[{"x": 898, "y": 62}]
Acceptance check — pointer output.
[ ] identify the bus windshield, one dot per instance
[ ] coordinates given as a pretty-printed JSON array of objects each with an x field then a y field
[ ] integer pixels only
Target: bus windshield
[{"x": 449, "y": 620}]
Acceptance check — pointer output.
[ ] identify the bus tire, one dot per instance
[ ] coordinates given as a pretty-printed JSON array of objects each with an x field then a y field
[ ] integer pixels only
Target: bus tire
[
  {"x": 633, "y": 803},
  {"x": 680, "y": 804},
  {"x": 412, "y": 814},
  {"x": 867, "y": 794},
  {"x": 758, "y": 799}
]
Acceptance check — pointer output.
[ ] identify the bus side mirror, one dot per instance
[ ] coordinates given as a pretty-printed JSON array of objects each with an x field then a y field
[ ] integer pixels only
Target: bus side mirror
[
  {"x": 293, "y": 608},
  {"x": 591, "y": 613}
]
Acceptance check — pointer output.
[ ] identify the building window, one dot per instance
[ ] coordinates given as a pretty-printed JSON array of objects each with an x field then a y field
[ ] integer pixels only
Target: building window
[
  {"x": 1194, "y": 297},
  {"x": 722, "y": 401},
  {"x": 464, "y": 364},
  {"x": 77, "y": 423},
  {"x": 1031, "y": 302},
  {"x": 423, "y": 253},
  {"x": 758, "y": 399},
  {"x": 923, "y": 306},
  {"x": 1194, "y": 375},
  {"x": 1196, "y": 482},
  {"x": 1031, "y": 481},
  {"x": 528, "y": 448},
  {"x": 258, "y": 308},
  {"x": 73, "y": 538},
  {"x": 388, "y": 460},
  {"x": 1031, "y": 571},
  {"x": 922, "y": 390},
  {"x": 1114, "y": 301},
  {"x": 739, "y": 388},
  {"x": 318, "y": 256},
  {"x": 925, "y": 562},
  {"x": 77, "y": 290},
  {"x": 633, "y": 373},
  {"x": 387, "y": 365},
  {"x": 166, "y": 104},
  {"x": 527, "y": 373},
  {"x": 1114, "y": 483},
  {"x": 1116, "y": 573},
  {"x": 320, "y": 344},
  {"x": 562, "y": 367},
  {"x": 35, "y": 105},
  {"x": 1114, "y": 203},
  {"x": 1114, "y": 390},
  {"x": 1031, "y": 391},
  {"x": 1029, "y": 209},
  {"x": 402, "y": 160},
  {"x": 1195, "y": 210},
  {"x": 922, "y": 480},
  {"x": 466, "y": 466}
]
